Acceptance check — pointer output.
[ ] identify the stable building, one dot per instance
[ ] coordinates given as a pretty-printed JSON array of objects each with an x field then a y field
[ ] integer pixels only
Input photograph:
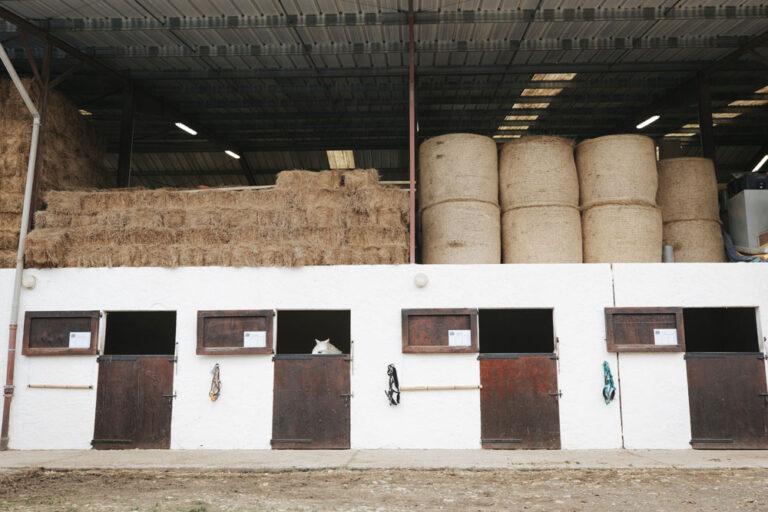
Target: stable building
[{"x": 403, "y": 226}]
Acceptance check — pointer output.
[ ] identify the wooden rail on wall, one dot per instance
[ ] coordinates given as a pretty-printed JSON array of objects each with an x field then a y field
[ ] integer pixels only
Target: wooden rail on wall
[
  {"x": 440, "y": 388},
  {"x": 59, "y": 386}
]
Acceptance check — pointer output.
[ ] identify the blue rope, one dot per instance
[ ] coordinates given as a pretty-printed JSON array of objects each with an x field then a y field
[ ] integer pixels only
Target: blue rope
[{"x": 609, "y": 388}]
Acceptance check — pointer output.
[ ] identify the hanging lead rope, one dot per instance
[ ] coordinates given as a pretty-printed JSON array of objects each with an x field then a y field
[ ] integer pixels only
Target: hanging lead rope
[
  {"x": 393, "y": 393},
  {"x": 215, "y": 384},
  {"x": 609, "y": 389}
]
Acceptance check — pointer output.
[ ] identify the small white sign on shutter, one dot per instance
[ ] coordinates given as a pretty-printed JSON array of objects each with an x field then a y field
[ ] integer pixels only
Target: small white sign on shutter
[
  {"x": 254, "y": 339},
  {"x": 460, "y": 338},
  {"x": 665, "y": 337},
  {"x": 79, "y": 340}
]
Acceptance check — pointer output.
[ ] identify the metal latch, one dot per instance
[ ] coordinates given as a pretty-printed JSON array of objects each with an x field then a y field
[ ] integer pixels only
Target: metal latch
[
  {"x": 8, "y": 390},
  {"x": 557, "y": 394},
  {"x": 170, "y": 396}
]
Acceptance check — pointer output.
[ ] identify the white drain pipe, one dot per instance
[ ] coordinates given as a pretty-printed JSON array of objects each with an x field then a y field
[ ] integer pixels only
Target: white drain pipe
[{"x": 14, "y": 318}]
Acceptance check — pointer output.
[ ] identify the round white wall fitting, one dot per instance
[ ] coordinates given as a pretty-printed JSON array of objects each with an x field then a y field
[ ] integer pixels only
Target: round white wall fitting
[
  {"x": 420, "y": 280},
  {"x": 28, "y": 281}
]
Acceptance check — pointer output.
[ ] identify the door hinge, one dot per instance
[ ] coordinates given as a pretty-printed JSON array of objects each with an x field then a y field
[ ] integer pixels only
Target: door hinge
[
  {"x": 557, "y": 394},
  {"x": 8, "y": 390},
  {"x": 171, "y": 397}
]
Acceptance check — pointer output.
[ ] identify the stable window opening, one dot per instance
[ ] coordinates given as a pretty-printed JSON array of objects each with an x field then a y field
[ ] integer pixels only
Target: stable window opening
[
  {"x": 721, "y": 330},
  {"x": 516, "y": 331},
  {"x": 142, "y": 333},
  {"x": 297, "y": 330}
]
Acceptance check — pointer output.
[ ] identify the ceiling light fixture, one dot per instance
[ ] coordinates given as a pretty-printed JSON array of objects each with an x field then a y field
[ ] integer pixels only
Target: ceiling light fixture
[
  {"x": 553, "y": 77},
  {"x": 760, "y": 164},
  {"x": 530, "y": 106},
  {"x": 231, "y": 153},
  {"x": 648, "y": 121},
  {"x": 185, "y": 128}
]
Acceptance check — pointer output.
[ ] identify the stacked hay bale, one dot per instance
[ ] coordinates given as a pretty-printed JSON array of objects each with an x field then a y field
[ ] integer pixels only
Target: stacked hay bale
[
  {"x": 540, "y": 218},
  {"x": 309, "y": 218},
  {"x": 688, "y": 201},
  {"x": 71, "y": 157},
  {"x": 618, "y": 182},
  {"x": 459, "y": 199}
]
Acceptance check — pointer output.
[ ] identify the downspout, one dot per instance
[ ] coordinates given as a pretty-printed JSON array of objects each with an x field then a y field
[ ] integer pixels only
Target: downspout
[{"x": 14, "y": 317}]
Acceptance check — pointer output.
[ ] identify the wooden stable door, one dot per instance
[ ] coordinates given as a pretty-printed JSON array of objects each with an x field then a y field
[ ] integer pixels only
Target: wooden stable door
[
  {"x": 311, "y": 402},
  {"x": 519, "y": 401},
  {"x": 133, "y": 402},
  {"x": 728, "y": 400}
]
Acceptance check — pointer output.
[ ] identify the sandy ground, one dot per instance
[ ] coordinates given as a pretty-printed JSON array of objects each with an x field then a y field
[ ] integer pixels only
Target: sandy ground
[{"x": 358, "y": 490}]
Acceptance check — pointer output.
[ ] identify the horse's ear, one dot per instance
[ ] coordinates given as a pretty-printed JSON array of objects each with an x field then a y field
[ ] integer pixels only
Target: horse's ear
[{"x": 317, "y": 342}]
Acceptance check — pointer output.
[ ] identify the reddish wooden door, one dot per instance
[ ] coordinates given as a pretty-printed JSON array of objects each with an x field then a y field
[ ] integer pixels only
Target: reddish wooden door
[
  {"x": 133, "y": 402},
  {"x": 519, "y": 401},
  {"x": 311, "y": 402},
  {"x": 728, "y": 400}
]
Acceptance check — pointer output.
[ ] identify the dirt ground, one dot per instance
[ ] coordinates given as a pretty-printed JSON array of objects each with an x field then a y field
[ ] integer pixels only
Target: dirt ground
[{"x": 361, "y": 490}]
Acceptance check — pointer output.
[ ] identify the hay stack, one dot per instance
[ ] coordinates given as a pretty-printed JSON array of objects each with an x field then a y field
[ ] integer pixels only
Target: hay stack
[
  {"x": 459, "y": 196},
  {"x": 688, "y": 200},
  {"x": 618, "y": 182},
  {"x": 309, "y": 218},
  {"x": 540, "y": 201},
  {"x": 71, "y": 157}
]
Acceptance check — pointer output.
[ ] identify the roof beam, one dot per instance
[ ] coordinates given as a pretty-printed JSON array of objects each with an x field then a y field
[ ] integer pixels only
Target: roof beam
[
  {"x": 436, "y": 71},
  {"x": 430, "y": 46},
  {"x": 352, "y": 19}
]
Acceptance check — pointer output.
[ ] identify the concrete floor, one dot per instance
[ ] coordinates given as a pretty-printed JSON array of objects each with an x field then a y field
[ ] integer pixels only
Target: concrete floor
[{"x": 381, "y": 459}]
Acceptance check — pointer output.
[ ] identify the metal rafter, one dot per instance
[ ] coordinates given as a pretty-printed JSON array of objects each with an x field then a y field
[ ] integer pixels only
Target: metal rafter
[{"x": 353, "y": 19}]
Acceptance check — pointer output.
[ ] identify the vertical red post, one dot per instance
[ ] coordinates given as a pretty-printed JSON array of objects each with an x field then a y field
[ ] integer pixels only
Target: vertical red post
[{"x": 412, "y": 130}]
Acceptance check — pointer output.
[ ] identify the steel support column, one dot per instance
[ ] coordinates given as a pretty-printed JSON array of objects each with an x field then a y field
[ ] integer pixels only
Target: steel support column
[
  {"x": 412, "y": 132},
  {"x": 125, "y": 153},
  {"x": 706, "y": 128}
]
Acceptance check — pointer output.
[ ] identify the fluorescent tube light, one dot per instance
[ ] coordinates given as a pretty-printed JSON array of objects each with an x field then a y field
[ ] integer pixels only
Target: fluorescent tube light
[
  {"x": 183, "y": 127},
  {"x": 232, "y": 154},
  {"x": 648, "y": 121},
  {"x": 760, "y": 164}
]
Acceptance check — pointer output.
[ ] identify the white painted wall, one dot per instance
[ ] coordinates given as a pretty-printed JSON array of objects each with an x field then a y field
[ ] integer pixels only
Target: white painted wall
[
  {"x": 654, "y": 386},
  {"x": 242, "y": 417}
]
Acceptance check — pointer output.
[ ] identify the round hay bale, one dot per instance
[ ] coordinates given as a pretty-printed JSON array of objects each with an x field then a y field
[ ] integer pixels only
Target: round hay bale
[
  {"x": 461, "y": 232},
  {"x": 617, "y": 169},
  {"x": 695, "y": 241},
  {"x": 616, "y": 233},
  {"x": 538, "y": 170},
  {"x": 458, "y": 166},
  {"x": 688, "y": 189},
  {"x": 541, "y": 234}
]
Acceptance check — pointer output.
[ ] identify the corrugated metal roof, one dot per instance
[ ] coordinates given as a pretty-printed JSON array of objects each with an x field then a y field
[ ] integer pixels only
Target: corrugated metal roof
[{"x": 285, "y": 82}]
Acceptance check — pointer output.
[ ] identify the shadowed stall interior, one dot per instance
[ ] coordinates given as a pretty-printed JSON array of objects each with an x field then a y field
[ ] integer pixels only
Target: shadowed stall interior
[
  {"x": 521, "y": 331},
  {"x": 721, "y": 330},
  {"x": 140, "y": 333},
  {"x": 297, "y": 330}
]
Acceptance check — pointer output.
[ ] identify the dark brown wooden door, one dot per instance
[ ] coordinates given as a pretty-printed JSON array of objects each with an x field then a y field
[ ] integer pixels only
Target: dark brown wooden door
[
  {"x": 728, "y": 400},
  {"x": 134, "y": 402},
  {"x": 311, "y": 402},
  {"x": 519, "y": 401}
]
